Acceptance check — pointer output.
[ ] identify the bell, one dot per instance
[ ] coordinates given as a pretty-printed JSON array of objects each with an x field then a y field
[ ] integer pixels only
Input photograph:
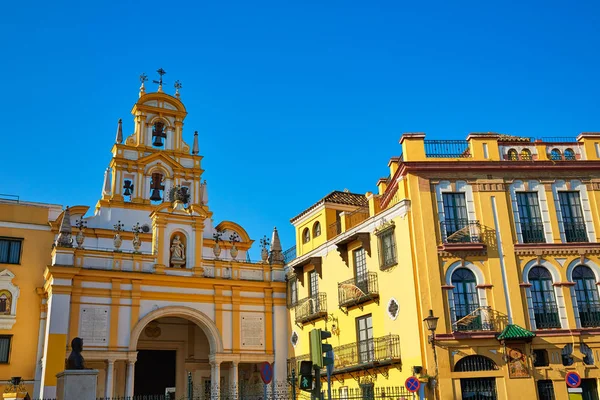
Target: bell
[
  {"x": 155, "y": 195},
  {"x": 128, "y": 188},
  {"x": 157, "y": 141}
]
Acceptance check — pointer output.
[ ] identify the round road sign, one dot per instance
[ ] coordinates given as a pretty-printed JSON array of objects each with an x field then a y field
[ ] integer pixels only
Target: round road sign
[
  {"x": 573, "y": 379},
  {"x": 266, "y": 372},
  {"x": 412, "y": 384}
]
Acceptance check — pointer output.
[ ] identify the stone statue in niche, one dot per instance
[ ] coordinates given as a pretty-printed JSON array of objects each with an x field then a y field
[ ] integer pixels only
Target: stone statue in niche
[
  {"x": 75, "y": 360},
  {"x": 177, "y": 252}
]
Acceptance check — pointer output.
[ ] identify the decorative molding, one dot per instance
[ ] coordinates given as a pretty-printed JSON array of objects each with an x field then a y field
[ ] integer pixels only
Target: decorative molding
[
  {"x": 525, "y": 284},
  {"x": 448, "y": 287},
  {"x": 489, "y": 187},
  {"x": 557, "y": 249},
  {"x": 393, "y": 308},
  {"x": 485, "y": 286},
  {"x": 8, "y": 320}
]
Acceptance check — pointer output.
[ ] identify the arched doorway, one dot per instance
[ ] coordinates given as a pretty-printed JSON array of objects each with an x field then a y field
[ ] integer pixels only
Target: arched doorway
[{"x": 477, "y": 388}]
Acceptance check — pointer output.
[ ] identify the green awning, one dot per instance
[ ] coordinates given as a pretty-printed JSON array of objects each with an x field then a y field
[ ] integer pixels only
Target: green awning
[{"x": 515, "y": 332}]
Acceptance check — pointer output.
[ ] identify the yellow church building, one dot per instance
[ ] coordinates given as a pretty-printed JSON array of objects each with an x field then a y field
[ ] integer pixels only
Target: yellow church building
[
  {"x": 492, "y": 241},
  {"x": 165, "y": 298}
]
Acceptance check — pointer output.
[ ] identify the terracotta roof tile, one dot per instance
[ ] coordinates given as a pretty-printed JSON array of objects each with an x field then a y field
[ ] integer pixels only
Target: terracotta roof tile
[{"x": 337, "y": 197}]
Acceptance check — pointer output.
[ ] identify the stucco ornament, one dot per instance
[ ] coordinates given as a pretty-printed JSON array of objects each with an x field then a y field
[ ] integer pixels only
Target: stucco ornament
[
  {"x": 177, "y": 252},
  {"x": 217, "y": 238},
  {"x": 137, "y": 242},
  {"x": 80, "y": 237},
  {"x": 264, "y": 252},
  {"x": 234, "y": 238},
  {"x": 117, "y": 240}
]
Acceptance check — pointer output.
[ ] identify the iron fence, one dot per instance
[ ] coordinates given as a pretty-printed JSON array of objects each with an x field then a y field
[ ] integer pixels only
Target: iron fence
[
  {"x": 289, "y": 254},
  {"x": 533, "y": 232},
  {"x": 447, "y": 149},
  {"x": 472, "y": 317},
  {"x": 311, "y": 308},
  {"x": 589, "y": 315},
  {"x": 371, "y": 392},
  {"x": 460, "y": 230},
  {"x": 546, "y": 316},
  {"x": 575, "y": 231},
  {"x": 359, "y": 289}
]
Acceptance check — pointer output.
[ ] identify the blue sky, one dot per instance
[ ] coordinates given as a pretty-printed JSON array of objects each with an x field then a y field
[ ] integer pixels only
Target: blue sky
[{"x": 291, "y": 99}]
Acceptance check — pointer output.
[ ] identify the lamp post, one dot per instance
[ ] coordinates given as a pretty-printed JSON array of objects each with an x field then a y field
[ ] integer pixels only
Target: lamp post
[{"x": 431, "y": 323}]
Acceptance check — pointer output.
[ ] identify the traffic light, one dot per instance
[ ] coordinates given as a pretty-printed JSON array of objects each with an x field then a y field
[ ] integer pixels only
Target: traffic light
[
  {"x": 317, "y": 348},
  {"x": 305, "y": 379}
]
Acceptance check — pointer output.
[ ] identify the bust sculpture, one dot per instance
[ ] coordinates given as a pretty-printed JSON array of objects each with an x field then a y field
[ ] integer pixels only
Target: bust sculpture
[
  {"x": 177, "y": 252},
  {"x": 75, "y": 360}
]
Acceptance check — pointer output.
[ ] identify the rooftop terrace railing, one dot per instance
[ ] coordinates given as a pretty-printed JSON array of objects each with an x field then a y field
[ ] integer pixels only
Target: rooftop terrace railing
[{"x": 447, "y": 149}]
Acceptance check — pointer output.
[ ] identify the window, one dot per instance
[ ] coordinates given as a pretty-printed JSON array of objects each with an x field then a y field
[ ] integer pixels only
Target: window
[
  {"x": 367, "y": 391},
  {"x": 305, "y": 235},
  {"x": 532, "y": 227},
  {"x": 540, "y": 358},
  {"x": 544, "y": 309},
  {"x": 567, "y": 355},
  {"x": 360, "y": 270},
  {"x": 545, "y": 389},
  {"x": 387, "y": 249},
  {"x": 455, "y": 217},
  {"x": 364, "y": 336},
  {"x": 586, "y": 293},
  {"x": 313, "y": 288},
  {"x": 512, "y": 155},
  {"x": 466, "y": 301},
  {"x": 292, "y": 291},
  {"x": 5, "y": 302},
  {"x": 572, "y": 217},
  {"x": 588, "y": 354},
  {"x": 5, "y": 348},
  {"x": 526, "y": 155},
  {"x": 317, "y": 229},
  {"x": 555, "y": 155},
  {"x": 10, "y": 251},
  {"x": 569, "y": 155}
]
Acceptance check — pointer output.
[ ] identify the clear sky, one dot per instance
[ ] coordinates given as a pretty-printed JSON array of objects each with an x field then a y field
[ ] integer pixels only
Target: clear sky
[{"x": 291, "y": 99}]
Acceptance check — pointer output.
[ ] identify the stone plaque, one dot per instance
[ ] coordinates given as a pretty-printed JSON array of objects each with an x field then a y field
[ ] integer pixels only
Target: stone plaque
[
  {"x": 253, "y": 330},
  {"x": 93, "y": 326}
]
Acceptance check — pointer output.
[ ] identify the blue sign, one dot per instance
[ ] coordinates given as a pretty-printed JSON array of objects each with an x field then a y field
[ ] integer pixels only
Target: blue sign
[
  {"x": 412, "y": 384},
  {"x": 573, "y": 379},
  {"x": 266, "y": 373}
]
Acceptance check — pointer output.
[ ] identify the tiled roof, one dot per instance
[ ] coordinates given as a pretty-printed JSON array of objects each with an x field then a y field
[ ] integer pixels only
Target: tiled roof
[
  {"x": 515, "y": 332},
  {"x": 512, "y": 138},
  {"x": 337, "y": 197}
]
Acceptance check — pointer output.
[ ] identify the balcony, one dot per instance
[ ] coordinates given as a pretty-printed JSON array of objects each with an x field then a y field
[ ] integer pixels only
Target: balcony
[
  {"x": 356, "y": 217},
  {"x": 358, "y": 290},
  {"x": 378, "y": 352},
  {"x": 532, "y": 232},
  {"x": 334, "y": 229},
  {"x": 461, "y": 234},
  {"x": 289, "y": 255},
  {"x": 575, "y": 231},
  {"x": 447, "y": 149},
  {"x": 470, "y": 318},
  {"x": 311, "y": 308},
  {"x": 546, "y": 316},
  {"x": 589, "y": 315}
]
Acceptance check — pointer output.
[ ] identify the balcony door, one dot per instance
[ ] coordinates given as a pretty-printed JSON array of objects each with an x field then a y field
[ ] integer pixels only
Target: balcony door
[
  {"x": 364, "y": 336},
  {"x": 543, "y": 301},
  {"x": 572, "y": 217},
  {"x": 532, "y": 227},
  {"x": 455, "y": 217},
  {"x": 313, "y": 292},
  {"x": 586, "y": 292},
  {"x": 360, "y": 270},
  {"x": 466, "y": 313}
]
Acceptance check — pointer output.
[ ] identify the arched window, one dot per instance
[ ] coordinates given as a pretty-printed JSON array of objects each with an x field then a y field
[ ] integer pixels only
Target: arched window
[
  {"x": 512, "y": 155},
  {"x": 555, "y": 155},
  {"x": 477, "y": 388},
  {"x": 569, "y": 155},
  {"x": 305, "y": 235},
  {"x": 586, "y": 293},
  {"x": 588, "y": 354},
  {"x": 5, "y": 302},
  {"x": 466, "y": 301},
  {"x": 157, "y": 188},
  {"x": 317, "y": 229},
  {"x": 543, "y": 301},
  {"x": 526, "y": 154},
  {"x": 158, "y": 134},
  {"x": 475, "y": 363}
]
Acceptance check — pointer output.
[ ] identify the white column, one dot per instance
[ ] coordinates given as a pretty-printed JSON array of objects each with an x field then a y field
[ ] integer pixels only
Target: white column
[
  {"x": 40, "y": 353},
  {"x": 215, "y": 379},
  {"x": 233, "y": 380},
  {"x": 130, "y": 378},
  {"x": 108, "y": 387}
]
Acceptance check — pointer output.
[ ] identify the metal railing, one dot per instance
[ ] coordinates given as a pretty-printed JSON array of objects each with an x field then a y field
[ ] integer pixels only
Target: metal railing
[
  {"x": 334, "y": 229},
  {"x": 533, "y": 232},
  {"x": 356, "y": 217},
  {"x": 289, "y": 254},
  {"x": 460, "y": 231},
  {"x": 575, "y": 231},
  {"x": 371, "y": 392},
  {"x": 359, "y": 354},
  {"x": 311, "y": 308},
  {"x": 546, "y": 316},
  {"x": 472, "y": 317},
  {"x": 358, "y": 289},
  {"x": 9, "y": 197},
  {"x": 447, "y": 149},
  {"x": 557, "y": 139},
  {"x": 589, "y": 315}
]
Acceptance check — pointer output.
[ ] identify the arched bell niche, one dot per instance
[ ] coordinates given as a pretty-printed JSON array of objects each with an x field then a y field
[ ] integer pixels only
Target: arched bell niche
[{"x": 178, "y": 250}]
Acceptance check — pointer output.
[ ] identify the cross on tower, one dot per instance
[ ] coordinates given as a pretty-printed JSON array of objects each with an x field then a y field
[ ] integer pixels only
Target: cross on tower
[{"x": 161, "y": 72}]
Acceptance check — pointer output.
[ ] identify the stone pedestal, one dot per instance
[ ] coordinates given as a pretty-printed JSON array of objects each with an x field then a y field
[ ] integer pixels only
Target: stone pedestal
[{"x": 78, "y": 384}]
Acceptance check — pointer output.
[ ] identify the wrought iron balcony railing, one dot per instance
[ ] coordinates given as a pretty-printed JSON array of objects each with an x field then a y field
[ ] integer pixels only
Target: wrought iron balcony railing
[
  {"x": 589, "y": 315},
  {"x": 356, "y": 217},
  {"x": 447, "y": 149},
  {"x": 460, "y": 231},
  {"x": 289, "y": 254},
  {"x": 532, "y": 232},
  {"x": 546, "y": 316},
  {"x": 359, "y": 355},
  {"x": 311, "y": 308},
  {"x": 575, "y": 231},
  {"x": 469, "y": 317},
  {"x": 358, "y": 290}
]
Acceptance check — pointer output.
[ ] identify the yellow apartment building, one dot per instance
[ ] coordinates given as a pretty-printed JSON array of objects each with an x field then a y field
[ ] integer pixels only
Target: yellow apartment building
[
  {"x": 25, "y": 239},
  {"x": 496, "y": 235}
]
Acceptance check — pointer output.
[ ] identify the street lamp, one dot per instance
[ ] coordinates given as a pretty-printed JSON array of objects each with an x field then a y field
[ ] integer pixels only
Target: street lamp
[{"x": 431, "y": 323}]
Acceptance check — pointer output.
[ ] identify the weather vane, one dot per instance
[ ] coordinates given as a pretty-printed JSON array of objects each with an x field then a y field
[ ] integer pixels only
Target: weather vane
[
  {"x": 143, "y": 78},
  {"x": 161, "y": 72},
  {"x": 177, "y": 87}
]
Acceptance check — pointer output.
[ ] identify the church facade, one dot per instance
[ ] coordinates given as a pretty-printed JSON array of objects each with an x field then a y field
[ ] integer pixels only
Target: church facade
[{"x": 163, "y": 296}]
